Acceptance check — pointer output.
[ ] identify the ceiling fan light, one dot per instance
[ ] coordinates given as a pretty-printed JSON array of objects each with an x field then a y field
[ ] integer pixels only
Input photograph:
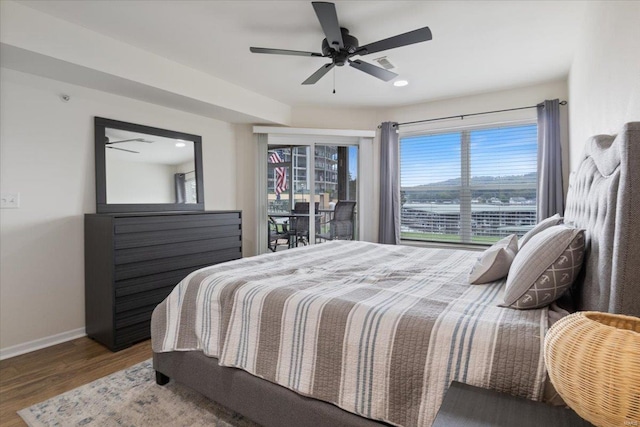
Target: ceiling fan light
[{"x": 400, "y": 83}]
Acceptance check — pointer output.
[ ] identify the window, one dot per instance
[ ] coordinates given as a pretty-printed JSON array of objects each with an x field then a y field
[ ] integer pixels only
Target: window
[
  {"x": 190, "y": 188},
  {"x": 469, "y": 186}
]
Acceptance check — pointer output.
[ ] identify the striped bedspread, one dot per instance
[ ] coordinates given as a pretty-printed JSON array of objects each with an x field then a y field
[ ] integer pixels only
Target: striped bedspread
[{"x": 378, "y": 330}]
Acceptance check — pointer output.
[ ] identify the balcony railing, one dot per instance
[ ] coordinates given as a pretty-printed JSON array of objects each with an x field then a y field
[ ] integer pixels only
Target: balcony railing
[{"x": 488, "y": 222}]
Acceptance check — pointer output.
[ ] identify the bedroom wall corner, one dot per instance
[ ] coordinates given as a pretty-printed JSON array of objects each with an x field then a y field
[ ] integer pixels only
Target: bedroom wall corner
[
  {"x": 246, "y": 182},
  {"x": 47, "y": 155},
  {"x": 604, "y": 81},
  {"x": 317, "y": 117}
]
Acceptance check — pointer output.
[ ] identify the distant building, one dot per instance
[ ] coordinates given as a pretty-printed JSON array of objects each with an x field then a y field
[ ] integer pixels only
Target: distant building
[
  {"x": 487, "y": 219},
  {"x": 326, "y": 170}
]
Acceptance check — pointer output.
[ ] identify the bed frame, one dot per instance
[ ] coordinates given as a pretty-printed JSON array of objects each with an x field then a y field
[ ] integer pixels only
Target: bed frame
[{"x": 603, "y": 199}]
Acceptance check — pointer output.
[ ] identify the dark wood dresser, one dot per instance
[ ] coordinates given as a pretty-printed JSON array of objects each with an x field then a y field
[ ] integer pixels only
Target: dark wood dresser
[{"x": 134, "y": 260}]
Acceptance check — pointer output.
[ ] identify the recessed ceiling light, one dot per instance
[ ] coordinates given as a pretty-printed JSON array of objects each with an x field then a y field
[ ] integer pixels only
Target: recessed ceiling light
[
  {"x": 180, "y": 144},
  {"x": 400, "y": 83}
]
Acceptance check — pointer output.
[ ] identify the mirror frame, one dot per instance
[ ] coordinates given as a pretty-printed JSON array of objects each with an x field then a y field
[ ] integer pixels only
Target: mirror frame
[{"x": 102, "y": 205}]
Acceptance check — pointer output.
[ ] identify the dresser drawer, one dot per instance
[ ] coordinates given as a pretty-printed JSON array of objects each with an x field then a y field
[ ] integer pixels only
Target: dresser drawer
[
  {"x": 125, "y": 256},
  {"x": 139, "y": 269},
  {"x": 153, "y": 297},
  {"x": 124, "y": 337},
  {"x": 173, "y": 222},
  {"x": 134, "y": 317},
  {"x": 150, "y": 238},
  {"x": 152, "y": 281}
]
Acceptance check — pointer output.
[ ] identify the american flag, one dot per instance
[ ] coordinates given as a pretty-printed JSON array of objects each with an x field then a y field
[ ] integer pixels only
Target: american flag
[{"x": 280, "y": 174}]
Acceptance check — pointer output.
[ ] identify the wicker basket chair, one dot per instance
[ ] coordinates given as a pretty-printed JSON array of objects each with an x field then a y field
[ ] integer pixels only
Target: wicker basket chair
[{"x": 593, "y": 360}]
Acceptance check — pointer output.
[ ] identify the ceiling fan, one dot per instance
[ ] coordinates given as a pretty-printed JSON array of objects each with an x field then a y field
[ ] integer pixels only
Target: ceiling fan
[
  {"x": 108, "y": 144},
  {"x": 340, "y": 46}
]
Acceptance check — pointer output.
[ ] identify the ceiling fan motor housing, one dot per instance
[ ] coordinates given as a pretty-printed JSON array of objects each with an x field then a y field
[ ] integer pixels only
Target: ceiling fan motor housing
[{"x": 341, "y": 56}]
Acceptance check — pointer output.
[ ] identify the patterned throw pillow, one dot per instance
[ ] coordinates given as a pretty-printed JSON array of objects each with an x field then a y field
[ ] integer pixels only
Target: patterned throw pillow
[
  {"x": 542, "y": 225},
  {"x": 494, "y": 263},
  {"x": 545, "y": 268}
]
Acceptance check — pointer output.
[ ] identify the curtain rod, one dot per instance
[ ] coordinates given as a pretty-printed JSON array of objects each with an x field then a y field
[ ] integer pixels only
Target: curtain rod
[{"x": 462, "y": 116}]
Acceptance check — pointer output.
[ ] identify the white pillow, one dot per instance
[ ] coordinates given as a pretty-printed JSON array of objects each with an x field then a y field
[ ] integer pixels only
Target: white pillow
[
  {"x": 542, "y": 225},
  {"x": 545, "y": 268},
  {"x": 494, "y": 263}
]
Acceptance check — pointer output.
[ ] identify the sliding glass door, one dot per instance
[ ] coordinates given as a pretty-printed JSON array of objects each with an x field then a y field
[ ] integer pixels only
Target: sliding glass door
[
  {"x": 305, "y": 183},
  {"x": 336, "y": 173},
  {"x": 318, "y": 169}
]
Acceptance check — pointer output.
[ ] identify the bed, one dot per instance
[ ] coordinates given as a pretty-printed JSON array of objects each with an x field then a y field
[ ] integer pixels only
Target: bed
[{"x": 361, "y": 334}]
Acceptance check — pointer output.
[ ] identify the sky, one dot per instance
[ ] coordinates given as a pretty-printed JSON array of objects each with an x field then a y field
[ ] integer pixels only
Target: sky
[
  {"x": 494, "y": 152},
  {"x": 353, "y": 161}
]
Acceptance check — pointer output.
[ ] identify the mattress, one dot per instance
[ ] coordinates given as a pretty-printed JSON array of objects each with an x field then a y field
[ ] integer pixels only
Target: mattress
[{"x": 378, "y": 330}]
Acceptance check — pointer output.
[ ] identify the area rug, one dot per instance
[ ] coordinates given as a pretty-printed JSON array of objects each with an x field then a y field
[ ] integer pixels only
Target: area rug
[{"x": 131, "y": 398}]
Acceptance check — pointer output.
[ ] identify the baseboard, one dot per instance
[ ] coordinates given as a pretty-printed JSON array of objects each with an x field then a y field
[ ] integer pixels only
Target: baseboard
[{"x": 28, "y": 347}]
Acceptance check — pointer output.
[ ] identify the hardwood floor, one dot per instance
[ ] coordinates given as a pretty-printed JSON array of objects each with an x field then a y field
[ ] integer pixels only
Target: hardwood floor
[{"x": 40, "y": 375}]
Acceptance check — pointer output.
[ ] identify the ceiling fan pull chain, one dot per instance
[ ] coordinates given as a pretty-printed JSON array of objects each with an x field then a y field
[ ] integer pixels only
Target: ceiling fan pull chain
[{"x": 334, "y": 80}]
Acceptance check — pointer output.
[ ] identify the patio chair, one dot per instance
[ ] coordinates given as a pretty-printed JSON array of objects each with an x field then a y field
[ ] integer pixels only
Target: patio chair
[
  {"x": 341, "y": 225},
  {"x": 277, "y": 232},
  {"x": 299, "y": 229}
]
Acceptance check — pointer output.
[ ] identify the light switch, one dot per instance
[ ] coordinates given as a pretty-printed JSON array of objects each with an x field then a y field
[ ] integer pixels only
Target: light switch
[{"x": 10, "y": 200}]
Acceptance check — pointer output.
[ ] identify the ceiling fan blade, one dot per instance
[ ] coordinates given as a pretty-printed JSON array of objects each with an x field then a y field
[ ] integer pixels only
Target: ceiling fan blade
[
  {"x": 123, "y": 140},
  {"x": 318, "y": 74},
  {"x": 329, "y": 21},
  {"x": 123, "y": 149},
  {"x": 129, "y": 140},
  {"x": 378, "y": 72},
  {"x": 415, "y": 36},
  {"x": 283, "y": 51}
]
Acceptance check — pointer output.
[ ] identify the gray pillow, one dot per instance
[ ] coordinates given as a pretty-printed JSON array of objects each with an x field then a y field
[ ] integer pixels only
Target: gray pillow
[
  {"x": 545, "y": 268},
  {"x": 494, "y": 263},
  {"x": 542, "y": 225}
]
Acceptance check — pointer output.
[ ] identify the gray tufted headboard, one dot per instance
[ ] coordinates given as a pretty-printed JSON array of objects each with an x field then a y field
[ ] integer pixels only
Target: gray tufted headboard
[{"x": 604, "y": 199}]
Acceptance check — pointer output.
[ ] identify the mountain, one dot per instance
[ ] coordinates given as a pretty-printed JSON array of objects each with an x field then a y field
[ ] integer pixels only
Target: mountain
[{"x": 527, "y": 179}]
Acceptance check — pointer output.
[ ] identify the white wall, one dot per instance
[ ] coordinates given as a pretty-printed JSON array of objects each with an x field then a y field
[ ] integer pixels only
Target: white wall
[
  {"x": 334, "y": 118},
  {"x": 47, "y": 155},
  {"x": 604, "y": 82}
]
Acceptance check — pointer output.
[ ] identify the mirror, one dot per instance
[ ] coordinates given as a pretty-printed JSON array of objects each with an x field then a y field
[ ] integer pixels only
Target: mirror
[{"x": 144, "y": 169}]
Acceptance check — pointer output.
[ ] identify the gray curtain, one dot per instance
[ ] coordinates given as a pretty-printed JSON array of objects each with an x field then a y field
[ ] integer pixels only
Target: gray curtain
[
  {"x": 181, "y": 188},
  {"x": 389, "y": 226},
  {"x": 550, "y": 187}
]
